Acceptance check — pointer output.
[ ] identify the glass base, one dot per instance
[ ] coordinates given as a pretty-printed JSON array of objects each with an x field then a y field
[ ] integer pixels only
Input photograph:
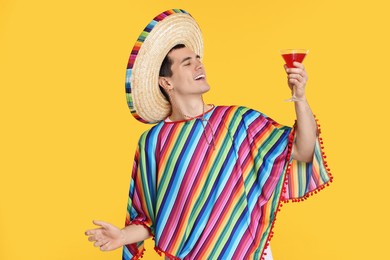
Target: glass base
[{"x": 292, "y": 99}]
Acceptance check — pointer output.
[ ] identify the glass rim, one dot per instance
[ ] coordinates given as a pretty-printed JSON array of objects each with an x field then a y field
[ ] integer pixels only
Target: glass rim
[{"x": 289, "y": 51}]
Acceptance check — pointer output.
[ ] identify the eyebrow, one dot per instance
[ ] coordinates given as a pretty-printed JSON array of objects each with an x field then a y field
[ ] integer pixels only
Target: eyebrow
[{"x": 188, "y": 58}]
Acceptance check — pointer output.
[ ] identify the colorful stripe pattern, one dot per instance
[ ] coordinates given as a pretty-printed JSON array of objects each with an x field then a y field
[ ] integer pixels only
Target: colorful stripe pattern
[
  {"x": 304, "y": 178},
  {"x": 204, "y": 203},
  {"x": 133, "y": 56}
]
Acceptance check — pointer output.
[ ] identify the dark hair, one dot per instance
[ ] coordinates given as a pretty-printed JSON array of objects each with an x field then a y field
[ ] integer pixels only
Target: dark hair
[{"x": 166, "y": 67}]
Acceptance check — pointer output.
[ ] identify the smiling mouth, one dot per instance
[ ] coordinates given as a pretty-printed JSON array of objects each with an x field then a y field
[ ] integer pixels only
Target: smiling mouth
[{"x": 200, "y": 77}]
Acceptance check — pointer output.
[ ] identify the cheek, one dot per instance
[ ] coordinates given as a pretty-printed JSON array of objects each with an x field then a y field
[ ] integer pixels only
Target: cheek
[
  {"x": 176, "y": 80},
  {"x": 185, "y": 78}
]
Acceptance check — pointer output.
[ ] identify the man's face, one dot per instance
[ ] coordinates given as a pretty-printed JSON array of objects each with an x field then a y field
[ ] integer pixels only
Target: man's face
[{"x": 188, "y": 73}]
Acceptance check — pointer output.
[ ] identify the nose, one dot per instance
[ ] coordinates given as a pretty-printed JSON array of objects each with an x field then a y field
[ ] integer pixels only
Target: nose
[{"x": 199, "y": 65}]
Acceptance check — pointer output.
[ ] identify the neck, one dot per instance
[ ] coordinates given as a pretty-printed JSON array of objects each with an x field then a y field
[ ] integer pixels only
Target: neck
[{"x": 186, "y": 108}]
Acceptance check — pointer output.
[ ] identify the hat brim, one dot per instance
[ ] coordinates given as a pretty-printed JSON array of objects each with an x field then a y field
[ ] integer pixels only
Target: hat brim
[{"x": 145, "y": 100}]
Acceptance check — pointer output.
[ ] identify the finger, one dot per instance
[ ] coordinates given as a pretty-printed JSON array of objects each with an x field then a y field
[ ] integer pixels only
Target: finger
[
  {"x": 101, "y": 223},
  {"x": 298, "y": 77},
  {"x": 90, "y": 232},
  {"x": 98, "y": 235},
  {"x": 295, "y": 71},
  {"x": 106, "y": 247},
  {"x": 298, "y": 65},
  {"x": 91, "y": 238},
  {"x": 93, "y": 232},
  {"x": 294, "y": 82},
  {"x": 100, "y": 243}
]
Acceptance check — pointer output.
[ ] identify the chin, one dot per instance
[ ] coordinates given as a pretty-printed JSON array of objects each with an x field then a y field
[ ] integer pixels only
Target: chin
[{"x": 205, "y": 88}]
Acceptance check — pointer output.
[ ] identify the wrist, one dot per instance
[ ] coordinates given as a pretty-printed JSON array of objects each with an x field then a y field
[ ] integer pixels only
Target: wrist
[
  {"x": 300, "y": 99},
  {"x": 123, "y": 237},
  {"x": 302, "y": 106},
  {"x": 134, "y": 233},
  {"x": 299, "y": 95}
]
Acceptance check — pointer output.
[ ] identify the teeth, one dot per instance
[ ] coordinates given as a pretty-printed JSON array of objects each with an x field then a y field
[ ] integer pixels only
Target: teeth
[{"x": 200, "y": 76}]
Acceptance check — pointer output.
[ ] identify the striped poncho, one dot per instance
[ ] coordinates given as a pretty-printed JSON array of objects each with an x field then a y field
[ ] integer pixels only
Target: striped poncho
[{"x": 212, "y": 190}]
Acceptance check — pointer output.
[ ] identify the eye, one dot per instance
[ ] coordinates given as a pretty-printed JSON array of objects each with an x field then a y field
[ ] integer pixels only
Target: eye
[{"x": 187, "y": 64}]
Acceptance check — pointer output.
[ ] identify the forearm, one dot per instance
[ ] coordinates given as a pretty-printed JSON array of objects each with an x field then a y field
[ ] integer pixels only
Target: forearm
[
  {"x": 134, "y": 233},
  {"x": 306, "y": 132}
]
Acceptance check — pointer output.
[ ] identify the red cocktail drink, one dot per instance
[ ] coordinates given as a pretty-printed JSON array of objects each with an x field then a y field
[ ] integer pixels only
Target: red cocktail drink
[{"x": 289, "y": 58}]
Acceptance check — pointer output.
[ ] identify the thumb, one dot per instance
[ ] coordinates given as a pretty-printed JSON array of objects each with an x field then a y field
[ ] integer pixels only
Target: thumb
[{"x": 101, "y": 223}]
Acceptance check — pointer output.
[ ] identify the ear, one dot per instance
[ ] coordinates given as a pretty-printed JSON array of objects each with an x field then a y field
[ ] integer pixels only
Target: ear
[{"x": 164, "y": 83}]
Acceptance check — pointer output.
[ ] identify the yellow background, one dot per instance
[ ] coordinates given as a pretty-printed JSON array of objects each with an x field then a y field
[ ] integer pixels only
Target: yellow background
[{"x": 68, "y": 139}]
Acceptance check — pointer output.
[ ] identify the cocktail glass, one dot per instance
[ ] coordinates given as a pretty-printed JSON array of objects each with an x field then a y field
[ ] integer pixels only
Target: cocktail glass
[{"x": 289, "y": 56}]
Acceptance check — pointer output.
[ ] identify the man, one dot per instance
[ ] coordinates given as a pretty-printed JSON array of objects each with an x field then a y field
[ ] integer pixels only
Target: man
[{"x": 207, "y": 180}]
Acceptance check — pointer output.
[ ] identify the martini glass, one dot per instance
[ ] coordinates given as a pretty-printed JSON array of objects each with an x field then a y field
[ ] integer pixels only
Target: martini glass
[{"x": 289, "y": 56}]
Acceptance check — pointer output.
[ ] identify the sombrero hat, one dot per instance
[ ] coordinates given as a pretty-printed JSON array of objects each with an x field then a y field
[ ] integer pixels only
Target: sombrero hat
[{"x": 144, "y": 98}]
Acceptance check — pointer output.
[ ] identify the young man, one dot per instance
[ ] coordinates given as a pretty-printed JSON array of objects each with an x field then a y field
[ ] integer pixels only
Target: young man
[{"x": 207, "y": 180}]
